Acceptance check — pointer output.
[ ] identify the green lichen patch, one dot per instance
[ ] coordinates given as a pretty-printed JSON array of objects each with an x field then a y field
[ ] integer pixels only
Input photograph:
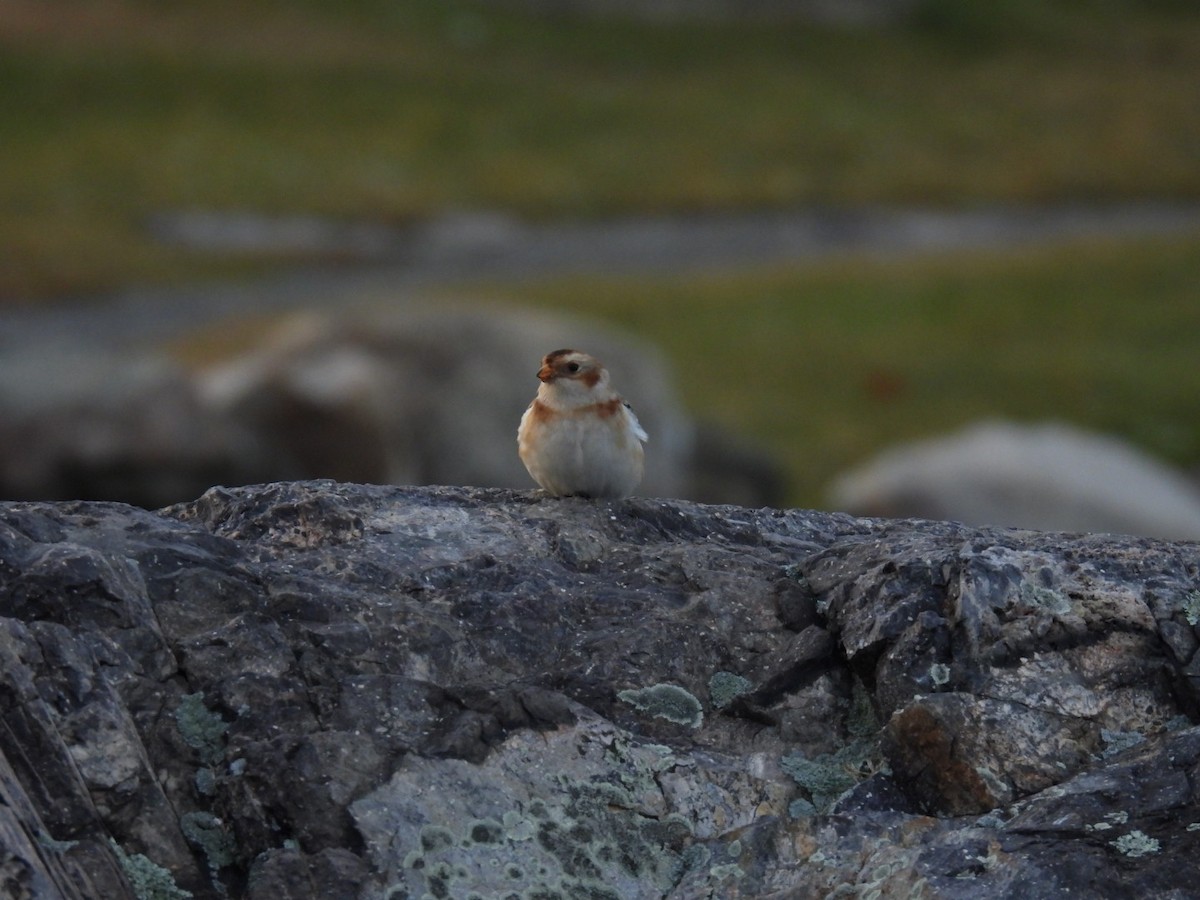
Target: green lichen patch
[
  {"x": 1191, "y": 608},
  {"x": 206, "y": 781},
  {"x": 725, "y": 687},
  {"x": 657, "y": 757},
  {"x": 517, "y": 827},
  {"x": 826, "y": 777},
  {"x": 666, "y": 701},
  {"x": 207, "y": 832},
  {"x": 201, "y": 729},
  {"x": 1136, "y": 843},
  {"x": 729, "y": 870},
  {"x": 829, "y": 775},
  {"x": 149, "y": 880},
  {"x": 1043, "y": 598},
  {"x": 939, "y": 674},
  {"x": 1114, "y": 819},
  {"x": 53, "y": 844},
  {"x": 861, "y": 721}
]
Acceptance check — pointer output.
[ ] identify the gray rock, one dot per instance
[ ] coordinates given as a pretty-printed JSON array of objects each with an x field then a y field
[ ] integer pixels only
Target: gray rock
[
  {"x": 320, "y": 689},
  {"x": 1050, "y": 476},
  {"x": 80, "y": 423}
]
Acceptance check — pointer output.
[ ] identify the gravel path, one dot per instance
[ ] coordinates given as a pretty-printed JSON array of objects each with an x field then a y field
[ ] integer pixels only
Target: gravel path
[{"x": 462, "y": 248}]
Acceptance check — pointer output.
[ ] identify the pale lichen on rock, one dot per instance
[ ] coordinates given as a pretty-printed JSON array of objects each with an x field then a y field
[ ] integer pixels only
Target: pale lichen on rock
[{"x": 666, "y": 701}]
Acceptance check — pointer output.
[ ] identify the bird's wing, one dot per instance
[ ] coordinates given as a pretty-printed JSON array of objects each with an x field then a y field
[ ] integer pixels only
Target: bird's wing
[{"x": 634, "y": 424}]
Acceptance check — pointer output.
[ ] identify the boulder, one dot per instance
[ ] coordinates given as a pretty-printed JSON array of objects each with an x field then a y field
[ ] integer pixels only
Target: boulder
[
  {"x": 1050, "y": 476},
  {"x": 80, "y": 423},
  {"x": 322, "y": 689}
]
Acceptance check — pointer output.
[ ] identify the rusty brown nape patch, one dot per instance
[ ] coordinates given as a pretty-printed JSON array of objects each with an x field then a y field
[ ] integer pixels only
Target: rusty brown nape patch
[
  {"x": 540, "y": 413},
  {"x": 605, "y": 410}
]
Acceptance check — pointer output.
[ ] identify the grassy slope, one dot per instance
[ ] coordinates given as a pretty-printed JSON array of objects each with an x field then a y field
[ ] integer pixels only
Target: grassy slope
[{"x": 117, "y": 109}]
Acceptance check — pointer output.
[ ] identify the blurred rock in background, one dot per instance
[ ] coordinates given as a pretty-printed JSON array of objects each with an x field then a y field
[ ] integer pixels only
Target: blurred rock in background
[
  {"x": 1048, "y": 476},
  {"x": 81, "y": 424},
  {"x": 431, "y": 397},
  {"x": 434, "y": 397}
]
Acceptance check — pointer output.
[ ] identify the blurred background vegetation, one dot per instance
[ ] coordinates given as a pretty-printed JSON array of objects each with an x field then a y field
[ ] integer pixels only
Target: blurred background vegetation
[{"x": 392, "y": 111}]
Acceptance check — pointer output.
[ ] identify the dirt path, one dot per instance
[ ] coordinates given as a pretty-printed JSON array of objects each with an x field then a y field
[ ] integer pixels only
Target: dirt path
[{"x": 466, "y": 248}]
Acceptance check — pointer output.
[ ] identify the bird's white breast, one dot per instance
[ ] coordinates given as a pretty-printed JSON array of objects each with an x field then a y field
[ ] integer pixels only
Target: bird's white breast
[{"x": 582, "y": 452}]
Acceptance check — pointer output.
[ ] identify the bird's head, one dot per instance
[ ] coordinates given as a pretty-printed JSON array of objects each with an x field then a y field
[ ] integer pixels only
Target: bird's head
[
  {"x": 572, "y": 378},
  {"x": 572, "y": 371}
]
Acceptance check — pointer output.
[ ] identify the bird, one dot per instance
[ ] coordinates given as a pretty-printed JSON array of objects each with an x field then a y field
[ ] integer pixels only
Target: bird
[{"x": 578, "y": 437}]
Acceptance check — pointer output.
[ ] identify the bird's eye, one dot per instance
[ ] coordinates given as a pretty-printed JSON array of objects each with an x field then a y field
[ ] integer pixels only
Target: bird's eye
[{"x": 573, "y": 367}]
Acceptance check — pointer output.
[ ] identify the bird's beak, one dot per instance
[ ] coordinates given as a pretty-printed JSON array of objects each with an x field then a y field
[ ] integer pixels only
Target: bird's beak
[{"x": 545, "y": 373}]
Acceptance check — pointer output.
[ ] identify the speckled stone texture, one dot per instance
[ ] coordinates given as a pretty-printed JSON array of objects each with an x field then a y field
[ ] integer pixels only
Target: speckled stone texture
[{"x": 341, "y": 691}]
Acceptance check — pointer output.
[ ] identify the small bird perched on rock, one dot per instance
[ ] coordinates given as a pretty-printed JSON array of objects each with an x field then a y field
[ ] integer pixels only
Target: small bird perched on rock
[{"x": 578, "y": 436}]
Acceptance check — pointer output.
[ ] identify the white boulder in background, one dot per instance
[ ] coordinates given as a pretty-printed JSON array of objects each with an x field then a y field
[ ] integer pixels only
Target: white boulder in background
[{"x": 1049, "y": 476}]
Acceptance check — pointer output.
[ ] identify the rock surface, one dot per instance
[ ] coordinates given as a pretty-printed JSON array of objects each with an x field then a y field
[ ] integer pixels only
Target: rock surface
[{"x": 320, "y": 689}]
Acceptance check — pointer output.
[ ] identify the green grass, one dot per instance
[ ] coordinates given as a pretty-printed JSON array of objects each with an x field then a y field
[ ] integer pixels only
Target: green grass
[
  {"x": 390, "y": 110},
  {"x": 115, "y": 110},
  {"x": 827, "y": 365}
]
